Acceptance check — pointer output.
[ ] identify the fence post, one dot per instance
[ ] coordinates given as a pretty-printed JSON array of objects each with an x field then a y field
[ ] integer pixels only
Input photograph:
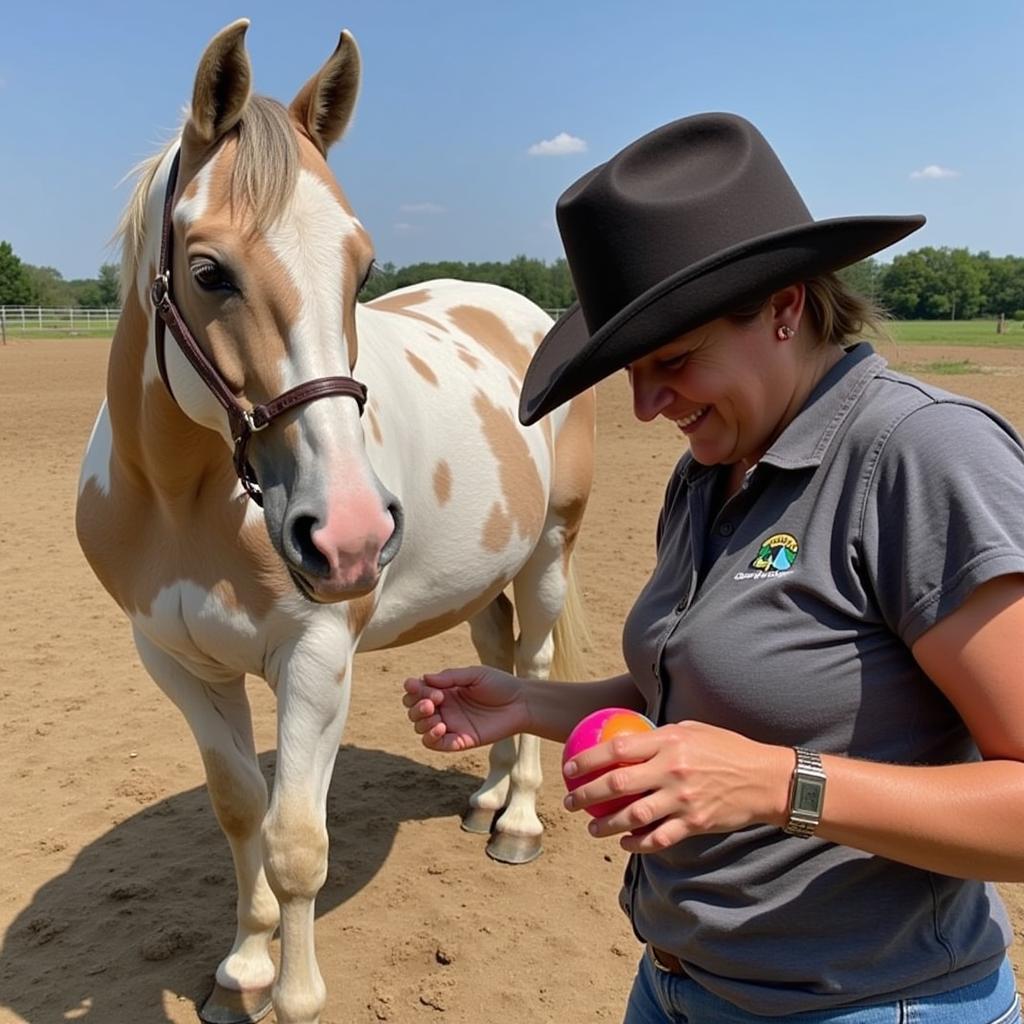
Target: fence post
[{"x": 3, "y": 324}]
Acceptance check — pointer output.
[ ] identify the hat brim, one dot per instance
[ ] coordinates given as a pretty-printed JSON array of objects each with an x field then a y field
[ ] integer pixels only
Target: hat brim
[{"x": 570, "y": 359}]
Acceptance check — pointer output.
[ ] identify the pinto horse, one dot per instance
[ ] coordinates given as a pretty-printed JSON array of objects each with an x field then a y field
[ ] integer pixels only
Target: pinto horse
[{"x": 255, "y": 509}]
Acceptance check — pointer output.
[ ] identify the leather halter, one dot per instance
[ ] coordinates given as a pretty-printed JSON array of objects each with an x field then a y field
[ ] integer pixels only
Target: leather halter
[{"x": 243, "y": 422}]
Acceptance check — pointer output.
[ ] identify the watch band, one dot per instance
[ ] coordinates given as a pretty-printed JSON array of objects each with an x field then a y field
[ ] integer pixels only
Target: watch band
[{"x": 806, "y": 794}]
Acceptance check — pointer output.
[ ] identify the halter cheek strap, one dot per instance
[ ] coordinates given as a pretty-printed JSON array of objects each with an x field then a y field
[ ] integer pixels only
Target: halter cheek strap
[{"x": 243, "y": 422}]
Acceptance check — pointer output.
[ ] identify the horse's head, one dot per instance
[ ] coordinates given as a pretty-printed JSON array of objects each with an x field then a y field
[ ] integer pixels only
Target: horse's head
[{"x": 267, "y": 261}]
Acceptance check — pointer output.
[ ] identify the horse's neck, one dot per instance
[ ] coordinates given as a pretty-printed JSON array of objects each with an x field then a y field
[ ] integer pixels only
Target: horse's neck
[{"x": 154, "y": 442}]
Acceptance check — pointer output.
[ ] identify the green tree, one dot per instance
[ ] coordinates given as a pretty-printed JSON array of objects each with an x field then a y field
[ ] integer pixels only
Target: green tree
[
  {"x": 15, "y": 286},
  {"x": 863, "y": 277},
  {"x": 903, "y": 283},
  {"x": 1004, "y": 290},
  {"x": 48, "y": 287},
  {"x": 110, "y": 285}
]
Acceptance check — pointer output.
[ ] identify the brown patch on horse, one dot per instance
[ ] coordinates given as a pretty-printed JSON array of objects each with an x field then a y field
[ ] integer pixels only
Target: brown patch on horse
[
  {"x": 439, "y": 623},
  {"x": 371, "y": 415},
  {"x": 169, "y": 516},
  {"x": 497, "y": 531},
  {"x": 401, "y": 303},
  {"x": 442, "y": 482},
  {"x": 274, "y": 303},
  {"x": 493, "y": 334},
  {"x": 467, "y": 357},
  {"x": 239, "y": 806},
  {"x": 521, "y": 486},
  {"x": 357, "y": 255},
  {"x": 359, "y": 611},
  {"x": 574, "y": 466},
  {"x": 311, "y": 159},
  {"x": 422, "y": 368}
]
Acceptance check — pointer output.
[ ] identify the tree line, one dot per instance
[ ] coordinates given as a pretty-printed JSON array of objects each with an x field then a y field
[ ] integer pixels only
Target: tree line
[
  {"x": 22, "y": 284},
  {"x": 924, "y": 284}
]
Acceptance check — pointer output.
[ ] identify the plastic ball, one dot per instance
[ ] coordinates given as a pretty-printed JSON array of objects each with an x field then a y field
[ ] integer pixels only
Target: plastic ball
[{"x": 600, "y": 727}]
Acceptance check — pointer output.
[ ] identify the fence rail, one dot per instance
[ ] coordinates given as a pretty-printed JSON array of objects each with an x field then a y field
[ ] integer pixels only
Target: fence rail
[{"x": 39, "y": 321}]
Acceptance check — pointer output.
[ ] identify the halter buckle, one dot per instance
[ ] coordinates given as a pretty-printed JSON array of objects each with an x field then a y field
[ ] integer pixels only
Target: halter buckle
[
  {"x": 255, "y": 419},
  {"x": 160, "y": 291}
]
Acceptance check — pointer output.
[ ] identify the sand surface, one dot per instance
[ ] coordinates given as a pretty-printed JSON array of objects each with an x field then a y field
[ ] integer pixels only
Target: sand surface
[{"x": 116, "y": 886}]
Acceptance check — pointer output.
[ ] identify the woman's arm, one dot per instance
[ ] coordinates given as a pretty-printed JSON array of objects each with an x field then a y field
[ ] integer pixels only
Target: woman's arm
[
  {"x": 459, "y": 709},
  {"x": 965, "y": 820},
  {"x": 962, "y": 820}
]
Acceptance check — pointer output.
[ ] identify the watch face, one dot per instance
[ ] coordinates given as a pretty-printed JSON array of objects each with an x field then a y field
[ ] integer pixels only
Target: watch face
[{"x": 808, "y": 796}]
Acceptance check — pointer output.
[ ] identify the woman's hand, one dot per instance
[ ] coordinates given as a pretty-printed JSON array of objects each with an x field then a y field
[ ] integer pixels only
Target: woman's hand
[
  {"x": 463, "y": 708},
  {"x": 690, "y": 779}
]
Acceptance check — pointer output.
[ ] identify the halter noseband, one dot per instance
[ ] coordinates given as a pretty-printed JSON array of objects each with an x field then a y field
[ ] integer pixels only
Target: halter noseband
[{"x": 244, "y": 422}]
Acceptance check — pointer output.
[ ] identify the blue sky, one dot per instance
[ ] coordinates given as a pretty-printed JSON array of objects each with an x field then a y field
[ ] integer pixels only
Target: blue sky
[{"x": 874, "y": 108}]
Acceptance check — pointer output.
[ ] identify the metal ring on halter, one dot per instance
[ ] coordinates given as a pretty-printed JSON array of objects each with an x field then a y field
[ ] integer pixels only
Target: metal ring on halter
[
  {"x": 160, "y": 290},
  {"x": 251, "y": 422}
]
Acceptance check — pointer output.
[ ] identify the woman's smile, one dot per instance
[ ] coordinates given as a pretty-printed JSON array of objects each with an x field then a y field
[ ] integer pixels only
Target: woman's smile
[{"x": 688, "y": 424}]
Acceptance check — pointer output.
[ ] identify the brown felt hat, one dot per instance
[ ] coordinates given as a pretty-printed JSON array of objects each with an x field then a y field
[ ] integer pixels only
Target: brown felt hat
[{"x": 689, "y": 223}]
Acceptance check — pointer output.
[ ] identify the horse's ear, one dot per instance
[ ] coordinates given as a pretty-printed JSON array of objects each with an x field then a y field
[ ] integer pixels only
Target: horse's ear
[
  {"x": 325, "y": 103},
  {"x": 222, "y": 87}
]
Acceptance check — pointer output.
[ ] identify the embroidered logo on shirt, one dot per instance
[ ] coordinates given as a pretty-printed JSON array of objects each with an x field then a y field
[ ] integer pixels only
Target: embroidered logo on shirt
[{"x": 776, "y": 555}]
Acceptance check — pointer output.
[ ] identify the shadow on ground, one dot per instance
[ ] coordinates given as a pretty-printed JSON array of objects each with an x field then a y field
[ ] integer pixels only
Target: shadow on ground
[{"x": 152, "y": 900}]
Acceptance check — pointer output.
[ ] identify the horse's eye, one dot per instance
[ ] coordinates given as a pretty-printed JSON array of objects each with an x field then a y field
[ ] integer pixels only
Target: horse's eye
[{"x": 210, "y": 276}]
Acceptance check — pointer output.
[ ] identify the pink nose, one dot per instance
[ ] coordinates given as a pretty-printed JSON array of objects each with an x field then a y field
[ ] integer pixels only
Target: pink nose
[{"x": 352, "y": 538}]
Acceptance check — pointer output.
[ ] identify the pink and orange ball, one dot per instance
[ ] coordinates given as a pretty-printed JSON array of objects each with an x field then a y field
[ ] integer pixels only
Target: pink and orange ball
[{"x": 600, "y": 727}]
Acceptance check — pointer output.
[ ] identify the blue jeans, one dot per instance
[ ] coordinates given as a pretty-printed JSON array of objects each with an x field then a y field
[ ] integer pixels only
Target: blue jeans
[{"x": 661, "y": 998}]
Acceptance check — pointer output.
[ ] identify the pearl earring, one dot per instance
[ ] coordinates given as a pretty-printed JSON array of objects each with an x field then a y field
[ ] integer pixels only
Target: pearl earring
[{"x": 784, "y": 333}]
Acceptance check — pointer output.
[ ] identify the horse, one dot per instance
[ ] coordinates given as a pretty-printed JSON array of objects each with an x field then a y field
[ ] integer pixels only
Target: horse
[{"x": 255, "y": 509}]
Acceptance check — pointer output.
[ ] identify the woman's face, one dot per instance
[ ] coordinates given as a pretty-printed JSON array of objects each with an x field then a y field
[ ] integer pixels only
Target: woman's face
[{"x": 730, "y": 387}]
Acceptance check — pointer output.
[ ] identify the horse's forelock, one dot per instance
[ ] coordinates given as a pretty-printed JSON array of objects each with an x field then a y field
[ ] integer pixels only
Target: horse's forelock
[{"x": 263, "y": 178}]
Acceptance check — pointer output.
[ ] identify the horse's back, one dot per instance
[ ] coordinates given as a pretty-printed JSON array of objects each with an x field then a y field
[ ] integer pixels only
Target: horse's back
[{"x": 444, "y": 363}]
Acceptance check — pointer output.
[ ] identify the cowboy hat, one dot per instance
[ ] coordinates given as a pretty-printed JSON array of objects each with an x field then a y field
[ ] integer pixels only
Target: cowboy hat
[{"x": 689, "y": 223}]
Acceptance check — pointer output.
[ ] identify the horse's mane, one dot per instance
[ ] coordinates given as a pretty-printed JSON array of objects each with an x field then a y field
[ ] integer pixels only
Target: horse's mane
[{"x": 263, "y": 178}]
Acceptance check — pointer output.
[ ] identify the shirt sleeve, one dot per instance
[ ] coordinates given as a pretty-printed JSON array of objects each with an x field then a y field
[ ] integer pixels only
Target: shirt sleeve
[{"x": 943, "y": 513}]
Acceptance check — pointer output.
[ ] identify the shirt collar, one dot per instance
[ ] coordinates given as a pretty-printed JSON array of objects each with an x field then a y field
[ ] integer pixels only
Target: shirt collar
[{"x": 806, "y": 439}]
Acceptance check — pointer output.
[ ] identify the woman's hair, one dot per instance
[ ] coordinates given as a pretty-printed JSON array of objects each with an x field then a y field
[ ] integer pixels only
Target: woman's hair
[{"x": 838, "y": 313}]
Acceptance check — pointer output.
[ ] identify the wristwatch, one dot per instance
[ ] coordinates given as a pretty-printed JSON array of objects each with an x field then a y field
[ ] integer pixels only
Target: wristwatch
[{"x": 806, "y": 794}]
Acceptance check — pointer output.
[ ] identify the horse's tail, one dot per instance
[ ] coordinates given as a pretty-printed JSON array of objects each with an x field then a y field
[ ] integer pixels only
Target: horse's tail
[{"x": 572, "y": 634}]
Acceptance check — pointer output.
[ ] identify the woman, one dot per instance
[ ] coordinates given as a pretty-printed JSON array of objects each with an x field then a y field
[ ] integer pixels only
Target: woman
[{"x": 829, "y": 642}]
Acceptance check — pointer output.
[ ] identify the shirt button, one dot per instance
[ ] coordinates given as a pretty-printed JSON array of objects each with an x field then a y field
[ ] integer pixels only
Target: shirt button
[
  {"x": 680, "y": 608},
  {"x": 725, "y": 529}
]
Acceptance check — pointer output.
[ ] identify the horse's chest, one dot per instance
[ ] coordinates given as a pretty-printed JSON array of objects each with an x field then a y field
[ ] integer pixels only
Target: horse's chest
[{"x": 203, "y": 630}]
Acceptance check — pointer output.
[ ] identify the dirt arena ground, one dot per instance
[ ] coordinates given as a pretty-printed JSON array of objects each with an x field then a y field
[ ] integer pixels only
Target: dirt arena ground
[{"x": 116, "y": 888}]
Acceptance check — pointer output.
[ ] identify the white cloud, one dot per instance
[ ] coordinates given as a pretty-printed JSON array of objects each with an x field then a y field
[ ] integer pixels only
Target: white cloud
[
  {"x": 404, "y": 227},
  {"x": 933, "y": 172},
  {"x": 561, "y": 145},
  {"x": 421, "y": 208}
]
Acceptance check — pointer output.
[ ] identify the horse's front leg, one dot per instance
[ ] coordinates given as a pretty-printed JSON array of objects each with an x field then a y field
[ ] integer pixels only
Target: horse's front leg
[
  {"x": 312, "y": 706},
  {"x": 219, "y": 717}
]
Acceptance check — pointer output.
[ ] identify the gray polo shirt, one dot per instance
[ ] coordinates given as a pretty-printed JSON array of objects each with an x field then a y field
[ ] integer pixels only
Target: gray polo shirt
[{"x": 788, "y": 617}]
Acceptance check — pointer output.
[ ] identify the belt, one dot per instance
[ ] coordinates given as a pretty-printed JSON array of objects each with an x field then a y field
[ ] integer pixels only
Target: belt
[{"x": 666, "y": 962}]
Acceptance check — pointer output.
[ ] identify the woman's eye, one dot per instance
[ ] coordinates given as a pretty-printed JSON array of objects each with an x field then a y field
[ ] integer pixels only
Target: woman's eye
[
  {"x": 676, "y": 362},
  {"x": 210, "y": 276}
]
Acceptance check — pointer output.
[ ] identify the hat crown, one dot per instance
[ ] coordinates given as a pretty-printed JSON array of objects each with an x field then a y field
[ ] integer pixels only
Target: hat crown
[{"x": 682, "y": 194}]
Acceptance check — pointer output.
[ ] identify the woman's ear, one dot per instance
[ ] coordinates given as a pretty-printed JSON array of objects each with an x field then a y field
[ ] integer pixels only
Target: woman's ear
[{"x": 787, "y": 309}]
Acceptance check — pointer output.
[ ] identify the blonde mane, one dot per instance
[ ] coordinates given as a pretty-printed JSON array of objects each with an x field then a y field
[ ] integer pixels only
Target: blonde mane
[{"x": 263, "y": 179}]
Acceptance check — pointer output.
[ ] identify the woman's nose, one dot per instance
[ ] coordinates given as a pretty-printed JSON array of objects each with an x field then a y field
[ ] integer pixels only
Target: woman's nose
[{"x": 649, "y": 397}]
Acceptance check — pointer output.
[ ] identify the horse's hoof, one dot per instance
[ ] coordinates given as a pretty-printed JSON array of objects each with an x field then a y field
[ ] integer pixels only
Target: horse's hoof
[
  {"x": 478, "y": 820},
  {"x": 227, "y": 1006},
  {"x": 513, "y": 849}
]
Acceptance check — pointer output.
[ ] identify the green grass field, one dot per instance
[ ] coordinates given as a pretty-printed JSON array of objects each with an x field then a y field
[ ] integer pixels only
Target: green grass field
[{"x": 974, "y": 333}]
